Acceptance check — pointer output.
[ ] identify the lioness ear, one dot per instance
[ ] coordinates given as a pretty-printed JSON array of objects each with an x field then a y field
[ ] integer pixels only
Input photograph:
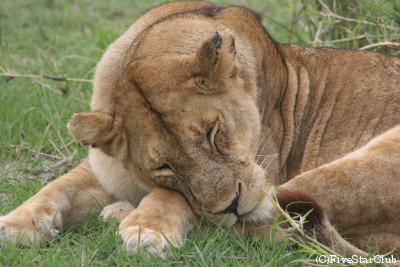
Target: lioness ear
[
  {"x": 216, "y": 56},
  {"x": 94, "y": 128}
]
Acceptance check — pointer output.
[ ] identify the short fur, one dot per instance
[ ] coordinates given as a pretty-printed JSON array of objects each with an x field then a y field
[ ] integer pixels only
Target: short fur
[{"x": 197, "y": 110}]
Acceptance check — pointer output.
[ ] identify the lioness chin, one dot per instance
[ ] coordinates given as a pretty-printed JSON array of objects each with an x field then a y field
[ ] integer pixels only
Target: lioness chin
[{"x": 198, "y": 111}]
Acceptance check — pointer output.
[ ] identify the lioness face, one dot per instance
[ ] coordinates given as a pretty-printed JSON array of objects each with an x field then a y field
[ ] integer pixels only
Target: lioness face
[{"x": 188, "y": 119}]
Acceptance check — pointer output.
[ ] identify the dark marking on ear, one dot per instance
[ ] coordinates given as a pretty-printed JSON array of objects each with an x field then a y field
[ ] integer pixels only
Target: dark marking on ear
[
  {"x": 217, "y": 40},
  {"x": 218, "y": 43}
]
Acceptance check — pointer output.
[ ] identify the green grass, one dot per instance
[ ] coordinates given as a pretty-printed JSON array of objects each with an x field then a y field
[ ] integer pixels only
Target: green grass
[{"x": 67, "y": 38}]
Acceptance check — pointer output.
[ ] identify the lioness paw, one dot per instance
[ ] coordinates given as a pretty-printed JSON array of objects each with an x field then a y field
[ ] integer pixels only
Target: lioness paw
[
  {"x": 27, "y": 229},
  {"x": 142, "y": 229},
  {"x": 116, "y": 211},
  {"x": 135, "y": 237}
]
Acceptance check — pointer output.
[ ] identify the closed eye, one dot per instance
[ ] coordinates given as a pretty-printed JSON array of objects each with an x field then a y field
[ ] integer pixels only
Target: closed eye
[
  {"x": 211, "y": 135},
  {"x": 163, "y": 167}
]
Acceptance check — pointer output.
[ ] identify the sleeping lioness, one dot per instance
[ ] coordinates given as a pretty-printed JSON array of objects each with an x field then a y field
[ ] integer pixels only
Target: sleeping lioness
[{"x": 198, "y": 111}]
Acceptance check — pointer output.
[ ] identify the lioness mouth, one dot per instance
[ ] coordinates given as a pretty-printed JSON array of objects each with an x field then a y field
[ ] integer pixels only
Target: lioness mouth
[
  {"x": 260, "y": 212},
  {"x": 234, "y": 205}
]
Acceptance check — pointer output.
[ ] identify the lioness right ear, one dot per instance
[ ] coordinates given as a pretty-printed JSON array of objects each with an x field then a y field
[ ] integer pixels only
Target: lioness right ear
[
  {"x": 94, "y": 128},
  {"x": 216, "y": 57}
]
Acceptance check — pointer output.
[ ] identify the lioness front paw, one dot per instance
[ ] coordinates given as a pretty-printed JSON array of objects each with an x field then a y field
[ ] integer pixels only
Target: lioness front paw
[
  {"x": 29, "y": 228},
  {"x": 153, "y": 241},
  {"x": 116, "y": 211},
  {"x": 138, "y": 231}
]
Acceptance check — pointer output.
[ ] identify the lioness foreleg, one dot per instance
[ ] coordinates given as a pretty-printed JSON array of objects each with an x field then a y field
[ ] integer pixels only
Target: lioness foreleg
[
  {"x": 163, "y": 214},
  {"x": 65, "y": 201}
]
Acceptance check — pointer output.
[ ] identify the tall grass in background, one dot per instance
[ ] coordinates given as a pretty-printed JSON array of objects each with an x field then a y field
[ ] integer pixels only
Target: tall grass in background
[
  {"x": 65, "y": 39},
  {"x": 366, "y": 25}
]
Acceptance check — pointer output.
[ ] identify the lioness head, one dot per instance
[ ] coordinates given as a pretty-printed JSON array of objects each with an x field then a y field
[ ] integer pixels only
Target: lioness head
[{"x": 183, "y": 116}]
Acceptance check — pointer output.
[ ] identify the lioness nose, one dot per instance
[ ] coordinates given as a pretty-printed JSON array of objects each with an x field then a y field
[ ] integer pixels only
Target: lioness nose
[{"x": 234, "y": 205}]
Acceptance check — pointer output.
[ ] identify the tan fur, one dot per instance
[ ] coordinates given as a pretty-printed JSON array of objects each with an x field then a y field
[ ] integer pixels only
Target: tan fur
[{"x": 196, "y": 110}]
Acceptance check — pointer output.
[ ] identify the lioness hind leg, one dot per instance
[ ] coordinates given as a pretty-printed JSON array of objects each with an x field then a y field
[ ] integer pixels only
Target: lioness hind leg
[
  {"x": 382, "y": 242},
  {"x": 65, "y": 201},
  {"x": 360, "y": 190}
]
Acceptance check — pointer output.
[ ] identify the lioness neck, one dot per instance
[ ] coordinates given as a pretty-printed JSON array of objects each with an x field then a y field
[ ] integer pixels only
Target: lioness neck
[{"x": 326, "y": 87}]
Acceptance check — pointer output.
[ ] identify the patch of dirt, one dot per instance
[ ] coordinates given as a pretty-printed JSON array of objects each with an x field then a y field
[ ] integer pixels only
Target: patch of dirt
[{"x": 46, "y": 170}]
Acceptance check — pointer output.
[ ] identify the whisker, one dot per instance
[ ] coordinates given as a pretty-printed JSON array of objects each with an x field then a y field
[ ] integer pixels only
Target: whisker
[
  {"x": 266, "y": 142},
  {"x": 260, "y": 142},
  {"x": 264, "y": 145},
  {"x": 267, "y": 161}
]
